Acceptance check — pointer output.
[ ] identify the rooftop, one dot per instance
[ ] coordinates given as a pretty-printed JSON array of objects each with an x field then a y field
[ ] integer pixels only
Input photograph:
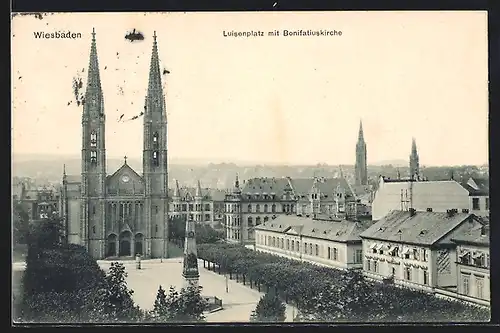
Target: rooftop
[
  {"x": 425, "y": 228},
  {"x": 339, "y": 231}
]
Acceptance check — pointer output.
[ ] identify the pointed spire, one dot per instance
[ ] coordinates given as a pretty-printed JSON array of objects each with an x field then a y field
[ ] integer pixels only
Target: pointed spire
[
  {"x": 341, "y": 171},
  {"x": 414, "y": 161},
  {"x": 360, "y": 134},
  {"x": 64, "y": 169},
  {"x": 155, "y": 89},
  {"x": 93, "y": 77},
  {"x": 198, "y": 190},
  {"x": 177, "y": 191}
]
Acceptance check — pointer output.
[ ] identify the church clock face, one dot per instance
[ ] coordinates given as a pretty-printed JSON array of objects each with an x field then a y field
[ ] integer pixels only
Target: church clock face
[
  {"x": 190, "y": 234},
  {"x": 125, "y": 179}
]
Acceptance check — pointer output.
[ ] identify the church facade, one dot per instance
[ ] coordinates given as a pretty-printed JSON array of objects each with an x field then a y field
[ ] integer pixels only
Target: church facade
[{"x": 125, "y": 213}]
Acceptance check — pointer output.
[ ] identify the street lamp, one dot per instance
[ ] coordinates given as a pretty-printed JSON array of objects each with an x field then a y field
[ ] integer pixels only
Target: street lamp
[{"x": 225, "y": 268}]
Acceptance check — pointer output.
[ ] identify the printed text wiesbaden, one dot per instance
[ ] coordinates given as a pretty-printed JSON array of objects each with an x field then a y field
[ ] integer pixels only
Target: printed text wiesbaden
[{"x": 57, "y": 35}]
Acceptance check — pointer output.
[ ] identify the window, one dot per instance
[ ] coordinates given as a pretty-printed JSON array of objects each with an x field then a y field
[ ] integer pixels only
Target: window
[
  {"x": 250, "y": 221},
  {"x": 266, "y": 218},
  {"x": 207, "y": 207},
  {"x": 93, "y": 157},
  {"x": 257, "y": 208},
  {"x": 465, "y": 284},
  {"x": 288, "y": 244},
  {"x": 282, "y": 243},
  {"x": 190, "y": 207},
  {"x": 426, "y": 278},
  {"x": 317, "y": 250},
  {"x": 393, "y": 271},
  {"x": 407, "y": 273},
  {"x": 93, "y": 139},
  {"x": 424, "y": 255},
  {"x": 156, "y": 209},
  {"x": 207, "y": 217},
  {"x": 487, "y": 202},
  {"x": 257, "y": 220},
  {"x": 310, "y": 248},
  {"x": 293, "y": 245},
  {"x": 155, "y": 140},
  {"x": 93, "y": 210},
  {"x": 475, "y": 203},
  {"x": 368, "y": 265},
  {"x": 273, "y": 208},
  {"x": 297, "y": 244},
  {"x": 305, "y": 248},
  {"x": 479, "y": 259},
  {"x": 265, "y": 208},
  {"x": 416, "y": 254},
  {"x": 479, "y": 286},
  {"x": 156, "y": 158},
  {"x": 375, "y": 266},
  {"x": 335, "y": 254},
  {"x": 358, "y": 256},
  {"x": 465, "y": 257},
  {"x": 269, "y": 241},
  {"x": 274, "y": 241},
  {"x": 156, "y": 227},
  {"x": 329, "y": 253},
  {"x": 93, "y": 229},
  {"x": 249, "y": 208}
]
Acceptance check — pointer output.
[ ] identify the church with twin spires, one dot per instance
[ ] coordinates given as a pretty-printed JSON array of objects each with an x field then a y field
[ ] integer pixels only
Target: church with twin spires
[{"x": 125, "y": 213}]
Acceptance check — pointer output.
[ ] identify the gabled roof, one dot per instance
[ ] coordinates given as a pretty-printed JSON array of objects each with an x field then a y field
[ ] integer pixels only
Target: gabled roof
[
  {"x": 474, "y": 236},
  {"x": 207, "y": 193},
  {"x": 123, "y": 168},
  {"x": 424, "y": 228},
  {"x": 339, "y": 231},
  {"x": 477, "y": 186}
]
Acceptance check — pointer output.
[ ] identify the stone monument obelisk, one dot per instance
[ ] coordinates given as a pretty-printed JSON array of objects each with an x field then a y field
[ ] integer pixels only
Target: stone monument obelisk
[{"x": 190, "y": 268}]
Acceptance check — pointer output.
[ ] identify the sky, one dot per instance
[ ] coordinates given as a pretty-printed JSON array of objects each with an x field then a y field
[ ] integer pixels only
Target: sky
[{"x": 270, "y": 99}]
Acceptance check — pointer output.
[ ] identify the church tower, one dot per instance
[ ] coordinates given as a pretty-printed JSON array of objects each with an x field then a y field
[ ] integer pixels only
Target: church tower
[
  {"x": 414, "y": 163},
  {"x": 155, "y": 162},
  {"x": 93, "y": 189},
  {"x": 361, "y": 173}
]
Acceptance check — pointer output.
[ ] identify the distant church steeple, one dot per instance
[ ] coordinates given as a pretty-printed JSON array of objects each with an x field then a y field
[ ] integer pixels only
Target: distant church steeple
[
  {"x": 361, "y": 173},
  {"x": 414, "y": 162}
]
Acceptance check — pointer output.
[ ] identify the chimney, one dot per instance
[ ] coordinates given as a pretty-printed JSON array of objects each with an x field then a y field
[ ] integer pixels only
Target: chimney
[
  {"x": 412, "y": 211},
  {"x": 450, "y": 212}
]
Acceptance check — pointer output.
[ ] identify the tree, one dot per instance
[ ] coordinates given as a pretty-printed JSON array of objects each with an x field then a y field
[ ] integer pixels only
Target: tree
[
  {"x": 185, "y": 306},
  {"x": 115, "y": 298},
  {"x": 46, "y": 233},
  {"x": 20, "y": 224},
  {"x": 269, "y": 309},
  {"x": 160, "y": 308}
]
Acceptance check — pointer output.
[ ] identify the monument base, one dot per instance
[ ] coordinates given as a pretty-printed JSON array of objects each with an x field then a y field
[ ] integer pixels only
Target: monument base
[{"x": 214, "y": 304}]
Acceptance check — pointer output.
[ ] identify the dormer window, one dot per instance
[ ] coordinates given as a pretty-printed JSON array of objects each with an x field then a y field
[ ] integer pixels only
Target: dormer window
[{"x": 93, "y": 139}]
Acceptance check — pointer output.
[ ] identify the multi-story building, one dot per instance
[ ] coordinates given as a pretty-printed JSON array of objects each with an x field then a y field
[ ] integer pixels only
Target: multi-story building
[
  {"x": 124, "y": 213},
  {"x": 473, "y": 265},
  {"x": 39, "y": 202},
  {"x": 479, "y": 195},
  {"x": 198, "y": 204},
  {"x": 332, "y": 243},
  {"x": 262, "y": 199},
  {"x": 415, "y": 249},
  {"x": 438, "y": 196}
]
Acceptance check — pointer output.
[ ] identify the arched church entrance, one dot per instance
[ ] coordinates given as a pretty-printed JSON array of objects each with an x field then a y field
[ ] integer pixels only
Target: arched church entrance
[
  {"x": 138, "y": 244},
  {"x": 125, "y": 239},
  {"x": 111, "y": 245}
]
